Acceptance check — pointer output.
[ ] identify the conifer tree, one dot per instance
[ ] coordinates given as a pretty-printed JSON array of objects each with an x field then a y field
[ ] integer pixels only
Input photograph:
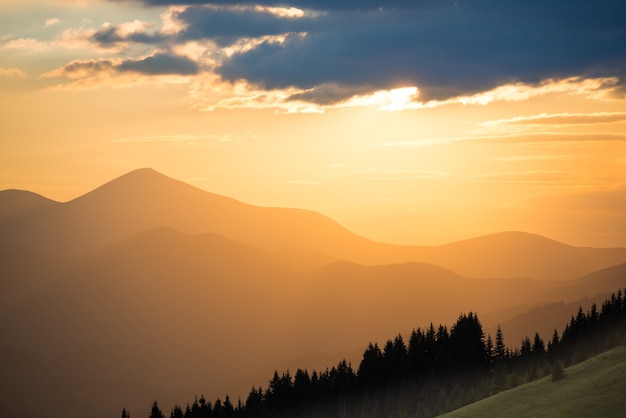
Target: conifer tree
[
  {"x": 538, "y": 345},
  {"x": 500, "y": 349},
  {"x": 177, "y": 412},
  {"x": 156, "y": 411},
  {"x": 489, "y": 350}
]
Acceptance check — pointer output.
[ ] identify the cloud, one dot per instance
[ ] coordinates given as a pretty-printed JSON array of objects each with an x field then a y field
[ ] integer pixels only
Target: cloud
[
  {"x": 71, "y": 39},
  {"x": 542, "y": 157},
  {"x": 208, "y": 92},
  {"x": 312, "y": 4},
  {"x": 528, "y": 177},
  {"x": 93, "y": 73},
  {"x": 446, "y": 49},
  {"x": 84, "y": 68},
  {"x": 160, "y": 64},
  {"x": 535, "y": 138},
  {"x": 12, "y": 72},
  {"x": 225, "y": 25},
  {"x": 136, "y": 31},
  {"x": 28, "y": 44},
  {"x": 398, "y": 55},
  {"x": 561, "y": 119},
  {"x": 52, "y": 21}
]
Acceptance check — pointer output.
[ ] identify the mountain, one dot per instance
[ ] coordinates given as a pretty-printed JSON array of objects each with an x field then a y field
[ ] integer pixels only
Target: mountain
[
  {"x": 147, "y": 287},
  {"x": 144, "y": 199},
  {"x": 511, "y": 254},
  {"x": 553, "y": 308},
  {"x": 408, "y": 295},
  {"x": 17, "y": 202},
  {"x": 164, "y": 314},
  {"x": 159, "y": 313}
]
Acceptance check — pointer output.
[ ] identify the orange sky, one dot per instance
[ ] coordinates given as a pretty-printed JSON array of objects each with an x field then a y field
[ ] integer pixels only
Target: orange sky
[{"x": 548, "y": 158}]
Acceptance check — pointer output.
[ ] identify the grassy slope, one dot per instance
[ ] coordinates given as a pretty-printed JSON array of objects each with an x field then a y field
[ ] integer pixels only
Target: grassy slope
[{"x": 594, "y": 388}]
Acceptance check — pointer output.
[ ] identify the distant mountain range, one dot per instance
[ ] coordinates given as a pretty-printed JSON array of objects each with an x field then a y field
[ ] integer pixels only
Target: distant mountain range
[
  {"x": 150, "y": 288},
  {"x": 145, "y": 199}
]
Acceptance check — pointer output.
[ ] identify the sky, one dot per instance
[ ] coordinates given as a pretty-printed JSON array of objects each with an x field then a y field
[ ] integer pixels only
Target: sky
[{"x": 412, "y": 122}]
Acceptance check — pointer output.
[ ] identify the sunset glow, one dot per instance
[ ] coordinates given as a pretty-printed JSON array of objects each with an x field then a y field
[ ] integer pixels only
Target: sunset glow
[
  {"x": 221, "y": 204},
  {"x": 81, "y": 78}
]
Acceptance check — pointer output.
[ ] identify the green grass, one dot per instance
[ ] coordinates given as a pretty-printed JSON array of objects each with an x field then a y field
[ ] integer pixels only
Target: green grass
[{"x": 594, "y": 388}]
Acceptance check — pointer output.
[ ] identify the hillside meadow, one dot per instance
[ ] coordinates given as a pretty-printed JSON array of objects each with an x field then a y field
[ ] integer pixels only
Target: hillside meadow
[{"x": 593, "y": 388}]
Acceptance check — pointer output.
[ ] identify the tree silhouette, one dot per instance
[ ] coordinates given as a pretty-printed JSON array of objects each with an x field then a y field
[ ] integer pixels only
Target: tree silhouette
[
  {"x": 467, "y": 342},
  {"x": 177, "y": 412},
  {"x": 500, "y": 348},
  {"x": 156, "y": 411},
  {"x": 436, "y": 372}
]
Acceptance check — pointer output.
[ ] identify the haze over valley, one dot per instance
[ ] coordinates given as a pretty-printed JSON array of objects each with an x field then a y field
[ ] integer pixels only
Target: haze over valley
[
  {"x": 147, "y": 287},
  {"x": 351, "y": 208}
]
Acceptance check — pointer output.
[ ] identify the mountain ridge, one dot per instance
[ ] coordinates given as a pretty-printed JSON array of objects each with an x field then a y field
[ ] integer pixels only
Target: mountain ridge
[
  {"x": 144, "y": 198},
  {"x": 199, "y": 312}
]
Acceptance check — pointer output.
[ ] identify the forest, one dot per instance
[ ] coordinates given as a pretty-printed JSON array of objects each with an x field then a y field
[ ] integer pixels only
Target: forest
[{"x": 436, "y": 370}]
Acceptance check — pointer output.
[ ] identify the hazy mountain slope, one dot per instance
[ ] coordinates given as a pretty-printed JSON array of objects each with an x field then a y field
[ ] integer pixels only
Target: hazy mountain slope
[
  {"x": 159, "y": 314},
  {"x": 145, "y": 199},
  {"x": 162, "y": 314},
  {"x": 22, "y": 270},
  {"x": 593, "y": 388},
  {"x": 18, "y": 202},
  {"x": 517, "y": 254},
  {"x": 408, "y": 295},
  {"x": 542, "y": 319},
  {"x": 554, "y": 308},
  {"x": 613, "y": 277}
]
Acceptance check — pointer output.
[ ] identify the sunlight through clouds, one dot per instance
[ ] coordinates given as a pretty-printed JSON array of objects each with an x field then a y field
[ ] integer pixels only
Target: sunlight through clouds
[{"x": 404, "y": 103}]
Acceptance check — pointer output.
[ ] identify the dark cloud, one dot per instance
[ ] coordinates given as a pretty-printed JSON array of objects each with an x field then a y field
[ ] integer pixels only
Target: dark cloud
[
  {"x": 447, "y": 51},
  {"x": 95, "y": 66},
  {"x": 111, "y": 36},
  {"x": 226, "y": 25},
  {"x": 314, "y": 4},
  {"x": 160, "y": 64},
  {"x": 445, "y": 48},
  {"x": 327, "y": 94}
]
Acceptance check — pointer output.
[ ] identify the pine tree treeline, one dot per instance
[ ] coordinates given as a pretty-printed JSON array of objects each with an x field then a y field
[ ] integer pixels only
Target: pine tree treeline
[{"x": 435, "y": 371}]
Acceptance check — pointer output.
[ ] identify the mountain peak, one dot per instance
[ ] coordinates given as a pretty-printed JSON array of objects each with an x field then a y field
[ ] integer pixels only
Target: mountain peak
[
  {"x": 14, "y": 202},
  {"x": 507, "y": 238},
  {"x": 143, "y": 184}
]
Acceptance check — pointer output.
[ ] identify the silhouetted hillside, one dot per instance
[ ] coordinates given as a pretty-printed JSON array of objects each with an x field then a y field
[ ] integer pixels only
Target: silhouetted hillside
[
  {"x": 145, "y": 199},
  {"x": 19, "y": 202},
  {"x": 189, "y": 312},
  {"x": 359, "y": 297},
  {"x": 519, "y": 254},
  {"x": 555, "y": 306},
  {"x": 594, "y": 388},
  {"x": 150, "y": 286},
  {"x": 441, "y": 368}
]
